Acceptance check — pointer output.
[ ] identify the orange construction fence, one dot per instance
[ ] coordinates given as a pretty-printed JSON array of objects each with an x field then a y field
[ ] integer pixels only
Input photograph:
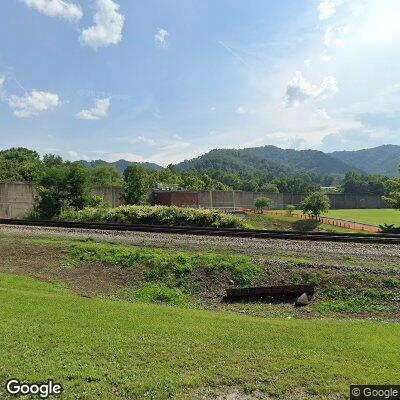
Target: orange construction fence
[{"x": 358, "y": 226}]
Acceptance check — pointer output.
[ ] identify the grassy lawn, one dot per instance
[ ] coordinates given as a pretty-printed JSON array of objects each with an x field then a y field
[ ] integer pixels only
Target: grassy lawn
[
  {"x": 372, "y": 217},
  {"x": 104, "y": 349}
]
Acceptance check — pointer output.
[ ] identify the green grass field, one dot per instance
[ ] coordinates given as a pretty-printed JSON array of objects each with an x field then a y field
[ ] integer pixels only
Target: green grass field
[
  {"x": 373, "y": 217},
  {"x": 105, "y": 349}
]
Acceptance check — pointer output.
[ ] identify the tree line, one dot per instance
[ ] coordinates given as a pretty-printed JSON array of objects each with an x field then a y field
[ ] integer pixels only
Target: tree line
[{"x": 68, "y": 184}]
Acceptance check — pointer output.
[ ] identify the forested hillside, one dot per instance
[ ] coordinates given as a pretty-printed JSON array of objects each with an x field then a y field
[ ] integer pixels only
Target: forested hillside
[
  {"x": 235, "y": 161},
  {"x": 218, "y": 169},
  {"x": 382, "y": 160},
  {"x": 271, "y": 161},
  {"x": 121, "y": 165},
  {"x": 306, "y": 160}
]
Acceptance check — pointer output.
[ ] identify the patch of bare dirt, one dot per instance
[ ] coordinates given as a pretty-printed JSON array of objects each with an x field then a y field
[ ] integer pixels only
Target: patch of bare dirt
[
  {"x": 237, "y": 393},
  {"x": 49, "y": 263},
  {"x": 91, "y": 279}
]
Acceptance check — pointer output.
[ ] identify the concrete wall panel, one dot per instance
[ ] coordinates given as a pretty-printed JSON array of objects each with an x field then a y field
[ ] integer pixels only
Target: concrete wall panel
[
  {"x": 111, "y": 195},
  {"x": 16, "y": 198}
]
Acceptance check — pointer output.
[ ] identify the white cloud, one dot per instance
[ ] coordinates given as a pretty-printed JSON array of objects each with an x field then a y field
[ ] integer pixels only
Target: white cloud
[
  {"x": 57, "y": 8},
  {"x": 327, "y": 8},
  {"x": 32, "y": 103},
  {"x": 172, "y": 151},
  {"x": 100, "y": 110},
  {"x": 146, "y": 140},
  {"x": 74, "y": 156},
  {"x": 322, "y": 112},
  {"x": 111, "y": 157},
  {"x": 161, "y": 37},
  {"x": 328, "y": 87},
  {"x": 325, "y": 58},
  {"x": 344, "y": 30},
  {"x": 299, "y": 90},
  {"x": 331, "y": 35},
  {"x": 108, "y": 26},
  {"x": 141, "y": 139},
  {"x": 244, "y": 110},
  {"x": 2, "y": 80},
  {"x": 307, "y": 62}
]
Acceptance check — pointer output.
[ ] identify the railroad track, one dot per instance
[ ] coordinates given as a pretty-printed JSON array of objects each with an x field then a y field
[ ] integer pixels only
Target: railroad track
[{"x": 226, "y": 232}]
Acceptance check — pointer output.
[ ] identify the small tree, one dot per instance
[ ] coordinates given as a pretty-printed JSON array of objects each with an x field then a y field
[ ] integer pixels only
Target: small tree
[
  {"x": 136, "y": 186},
  {"x": 315, "y": 204},
  {"x": 290, "y": 209},
  {"x": 263, "y": 202},
  {"x": 392, "y": 198},
  {"x": 63, "y": 186}
]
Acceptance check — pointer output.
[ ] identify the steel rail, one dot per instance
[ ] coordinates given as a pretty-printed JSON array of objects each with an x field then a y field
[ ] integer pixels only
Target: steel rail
[{"x": 207, "y": 231}]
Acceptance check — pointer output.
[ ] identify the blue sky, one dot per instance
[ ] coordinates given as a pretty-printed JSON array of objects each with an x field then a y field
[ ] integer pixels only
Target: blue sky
[{"x": 166, "y": 80}]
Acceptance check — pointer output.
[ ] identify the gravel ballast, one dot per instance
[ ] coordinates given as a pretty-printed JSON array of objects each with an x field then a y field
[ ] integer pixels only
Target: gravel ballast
[{"x": 201, "y": 243}]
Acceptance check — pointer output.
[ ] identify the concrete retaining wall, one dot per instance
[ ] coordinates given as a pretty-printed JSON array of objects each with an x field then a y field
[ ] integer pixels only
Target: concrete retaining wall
[
  {"x": 18, "y": 198},
  {"x": 238, "y": 199}
]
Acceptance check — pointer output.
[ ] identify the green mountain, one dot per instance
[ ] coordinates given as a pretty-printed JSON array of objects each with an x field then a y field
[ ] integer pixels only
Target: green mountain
[
  {"x": 269, "y": 160},
  {"x": 272, "y": 162},
  {"x": 120, "y": 164},
  {"x": 382, "y": 160}
]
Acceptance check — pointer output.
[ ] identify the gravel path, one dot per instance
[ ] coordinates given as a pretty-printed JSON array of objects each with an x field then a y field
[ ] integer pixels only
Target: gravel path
[{"x": 246, "y": 245}]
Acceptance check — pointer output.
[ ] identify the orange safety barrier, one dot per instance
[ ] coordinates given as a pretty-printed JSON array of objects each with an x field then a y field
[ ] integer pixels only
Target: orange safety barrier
[{"x": 357, "y": 226}]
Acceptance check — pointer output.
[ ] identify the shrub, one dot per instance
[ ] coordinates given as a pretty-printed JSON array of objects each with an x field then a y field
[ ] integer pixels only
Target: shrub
[
  {"x": 389, "y": 228},
  {"x": 98, "y": 201},
  {"x": 157, "y": 215}
]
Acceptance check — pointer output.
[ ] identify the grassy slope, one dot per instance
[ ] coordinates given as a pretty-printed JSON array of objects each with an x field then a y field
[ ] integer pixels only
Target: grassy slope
[
  {"x": 372, "y": 217},
  {"x": 107, "y": 349},
  {"x": 199, "y": 279}
]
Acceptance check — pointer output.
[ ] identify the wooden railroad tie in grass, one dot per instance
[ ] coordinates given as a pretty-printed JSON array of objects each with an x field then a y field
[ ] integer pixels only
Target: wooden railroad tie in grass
[{"x": 301, "y": 294}]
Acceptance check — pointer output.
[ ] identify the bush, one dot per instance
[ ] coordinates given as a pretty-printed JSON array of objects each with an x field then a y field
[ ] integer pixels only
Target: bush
[
  {"x": 98, "y": 201},
  {"x": 389, "y": 228},
  {"x": 157, "y": 215}
]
